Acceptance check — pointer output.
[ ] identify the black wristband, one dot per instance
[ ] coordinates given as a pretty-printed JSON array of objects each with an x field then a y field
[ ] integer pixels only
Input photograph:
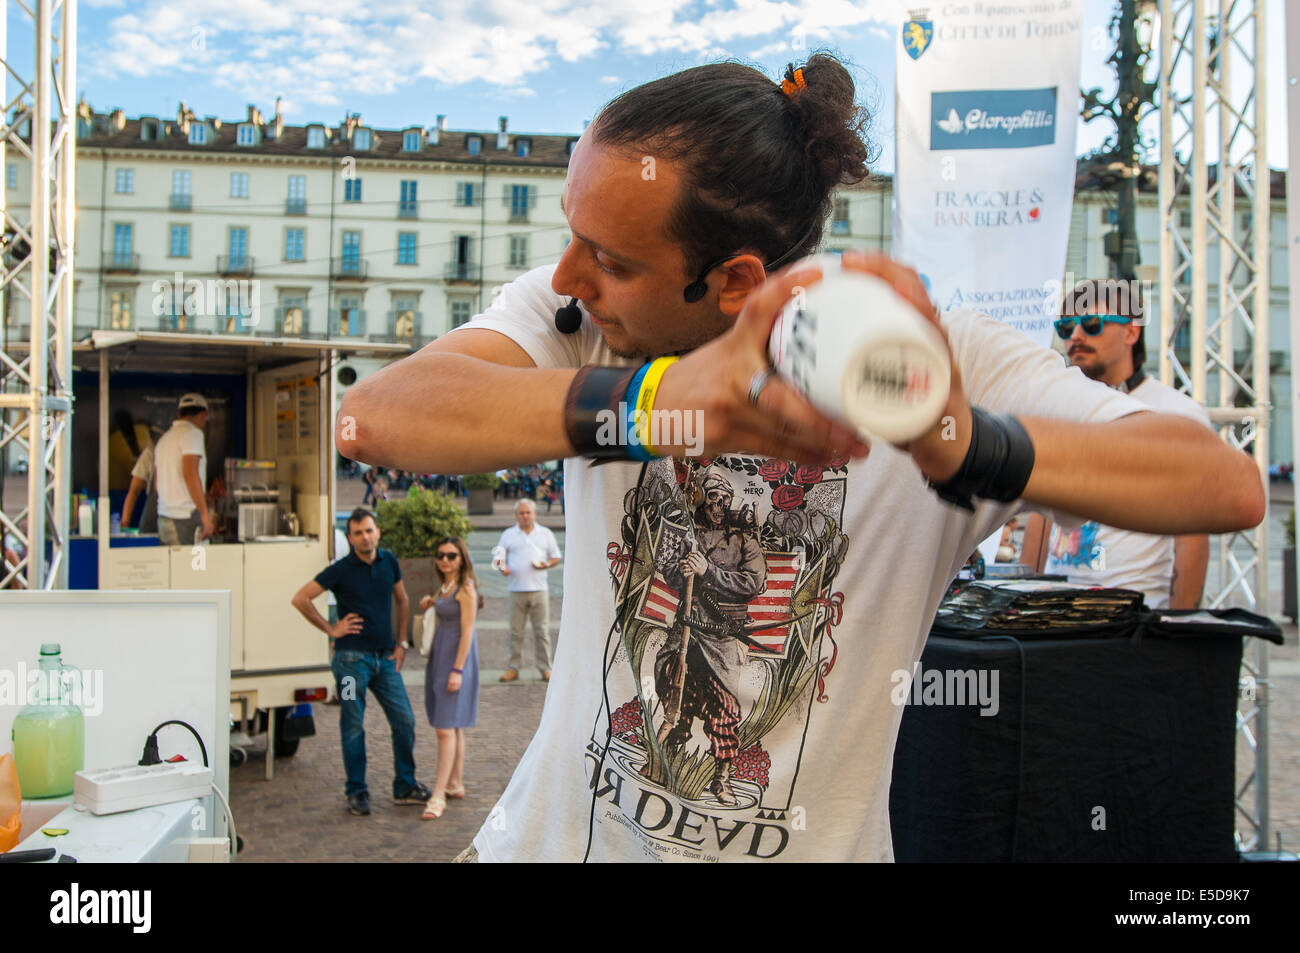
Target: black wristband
[
  {"x": 997, "y": 465},
  {"x": 594, "y": 390}
]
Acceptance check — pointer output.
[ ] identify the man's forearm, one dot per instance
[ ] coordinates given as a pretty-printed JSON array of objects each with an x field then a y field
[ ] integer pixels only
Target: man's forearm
[
  {"x": 308, "y": 610},
  {"x": 128, "y": 506},
  {"x": 195, "y": 487},
  {"x": 403, "y": 621},
  {"x": 1191, "y": 559},
  {"x": 488, "y": 416},
  {"x": 1152, "y": 473}
]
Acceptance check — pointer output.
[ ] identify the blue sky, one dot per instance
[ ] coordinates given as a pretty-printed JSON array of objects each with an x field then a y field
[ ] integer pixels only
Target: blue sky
[{"x": 546, "y": 64}]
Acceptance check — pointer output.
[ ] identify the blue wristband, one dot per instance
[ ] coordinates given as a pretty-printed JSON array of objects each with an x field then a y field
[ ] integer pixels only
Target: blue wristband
[{"x": 635, "y": 449}]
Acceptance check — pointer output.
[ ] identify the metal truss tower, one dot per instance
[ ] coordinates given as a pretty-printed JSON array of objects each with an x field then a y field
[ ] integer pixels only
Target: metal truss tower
[
  {"x": 36, "y": 281},
  {"x": 1212, "y": 149}
]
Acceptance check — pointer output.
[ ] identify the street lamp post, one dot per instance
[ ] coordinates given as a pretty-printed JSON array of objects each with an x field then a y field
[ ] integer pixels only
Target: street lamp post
[{"x": 1133, "y": 28}]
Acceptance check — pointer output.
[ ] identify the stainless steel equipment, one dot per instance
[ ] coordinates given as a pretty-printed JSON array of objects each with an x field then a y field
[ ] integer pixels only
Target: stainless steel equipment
[
  {"x": 258, "y": 519},
  {"x": 254, "y": 495}
]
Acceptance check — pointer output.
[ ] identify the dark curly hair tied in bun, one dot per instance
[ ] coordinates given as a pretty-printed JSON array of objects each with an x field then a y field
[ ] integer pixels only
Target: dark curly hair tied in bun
[{"x": 759, "y": 159}]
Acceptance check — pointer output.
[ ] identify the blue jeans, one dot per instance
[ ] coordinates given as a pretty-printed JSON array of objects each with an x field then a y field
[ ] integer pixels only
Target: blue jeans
[{"x": 379, "y": 674}]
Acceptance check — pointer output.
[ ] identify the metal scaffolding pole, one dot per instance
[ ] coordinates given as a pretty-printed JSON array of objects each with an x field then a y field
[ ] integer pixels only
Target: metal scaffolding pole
[
  {"x": 1213, "y": 56},
  {"x": 36, "y": 280}
]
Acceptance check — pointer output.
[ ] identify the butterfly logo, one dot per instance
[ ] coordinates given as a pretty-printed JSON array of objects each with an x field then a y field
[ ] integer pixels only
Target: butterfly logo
[{"x": 951, "y": 125}]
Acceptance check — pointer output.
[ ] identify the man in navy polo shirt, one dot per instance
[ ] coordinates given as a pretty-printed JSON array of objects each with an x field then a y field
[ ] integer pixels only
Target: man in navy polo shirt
[{"x": 365, "y": 583}]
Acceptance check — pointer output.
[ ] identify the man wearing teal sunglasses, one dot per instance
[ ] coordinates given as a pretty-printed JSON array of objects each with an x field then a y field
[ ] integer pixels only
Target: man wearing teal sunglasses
[{"x": 1102, "y": 325}]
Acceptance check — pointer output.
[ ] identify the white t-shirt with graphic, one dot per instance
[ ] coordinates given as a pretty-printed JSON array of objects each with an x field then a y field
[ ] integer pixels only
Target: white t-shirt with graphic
[
  {"x": 1098, "y": 555},
  {"x": 819, "y": 591}
]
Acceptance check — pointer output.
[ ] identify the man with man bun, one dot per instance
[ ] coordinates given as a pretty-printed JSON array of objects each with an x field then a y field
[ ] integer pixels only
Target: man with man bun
[{"x": 667, "y": 294}]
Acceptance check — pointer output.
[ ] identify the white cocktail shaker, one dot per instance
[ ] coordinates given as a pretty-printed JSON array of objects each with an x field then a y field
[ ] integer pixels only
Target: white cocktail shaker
[{"x": 861, "y": 353}]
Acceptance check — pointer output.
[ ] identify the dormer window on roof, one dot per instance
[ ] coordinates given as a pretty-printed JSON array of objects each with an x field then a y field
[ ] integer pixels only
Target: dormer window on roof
[
  {"x": 198, "y": 134},
  {"x": 473, "y": 145},
  {"x": 315, "y": 137},
  {"x": 246, "y": 135},
  {"x": 523, "y": 147},
  {"x": 361, "y": 139},
  {"x": 148, "y": 130},
  {"x": 411, "y": 140}
]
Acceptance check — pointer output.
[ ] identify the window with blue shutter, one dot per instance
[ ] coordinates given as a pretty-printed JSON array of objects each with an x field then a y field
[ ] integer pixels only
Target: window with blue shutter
[
  {"x": 122, "y": 244},
  {"x": 293, "y": 244},
  {"x": 467, "y": 194},
  {"x": 180, "y": 241},
  {"x": 351, "y": 251},
  {"x": 406, "y": 248},
  {"x": 406, "y": 207},
  {"x": 238, "y": 247},
  {"x": 519, "y": 199}
]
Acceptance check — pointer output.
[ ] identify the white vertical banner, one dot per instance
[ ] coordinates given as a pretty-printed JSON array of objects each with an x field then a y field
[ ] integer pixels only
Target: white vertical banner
[{"x": 987, "y": 107}]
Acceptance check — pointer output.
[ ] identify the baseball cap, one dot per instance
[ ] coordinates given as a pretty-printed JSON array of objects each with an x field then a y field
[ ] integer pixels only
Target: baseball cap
[{"x": 193, "y": 400}]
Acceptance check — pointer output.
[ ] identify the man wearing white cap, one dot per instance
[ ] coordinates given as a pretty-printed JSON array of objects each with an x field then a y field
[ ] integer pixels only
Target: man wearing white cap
[{"x": 181, "y": 463}]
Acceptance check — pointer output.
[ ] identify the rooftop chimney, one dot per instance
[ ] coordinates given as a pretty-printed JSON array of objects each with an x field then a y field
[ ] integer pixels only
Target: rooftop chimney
[
  {"x": 503, "y": 141},
  {"x": 276, "y": 128},
  {"x": 117, "y": 120},
  {"x": 438, "y": 128}
]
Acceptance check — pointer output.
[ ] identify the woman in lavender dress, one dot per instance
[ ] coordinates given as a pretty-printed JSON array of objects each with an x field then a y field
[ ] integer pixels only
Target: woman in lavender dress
[{"x": 451, "y": 679}]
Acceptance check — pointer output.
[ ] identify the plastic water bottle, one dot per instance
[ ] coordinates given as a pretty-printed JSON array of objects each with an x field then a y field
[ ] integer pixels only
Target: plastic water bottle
[
  {"x": 861, "y": 353},
  {"x": 49, "y": 734},
  {"x": 86, "y": 516}
]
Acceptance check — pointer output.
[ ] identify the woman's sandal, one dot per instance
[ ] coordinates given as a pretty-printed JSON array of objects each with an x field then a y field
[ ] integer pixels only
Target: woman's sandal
[
  {"x": 457, "y": 793},
  {"x": 434, "y": 808}
]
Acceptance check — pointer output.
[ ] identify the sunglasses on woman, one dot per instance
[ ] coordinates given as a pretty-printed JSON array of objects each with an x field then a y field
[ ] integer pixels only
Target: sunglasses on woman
[
  {"x": 1091, "y": 324},
  {"x": 451, "y": 555}
]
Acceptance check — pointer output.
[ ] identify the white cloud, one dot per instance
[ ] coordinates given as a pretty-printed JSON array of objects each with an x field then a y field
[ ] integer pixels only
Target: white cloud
[
  {"x": 772, "y": 49},
  {"x": 610, "y": 80},
  {"x": 318, "y": 56}
]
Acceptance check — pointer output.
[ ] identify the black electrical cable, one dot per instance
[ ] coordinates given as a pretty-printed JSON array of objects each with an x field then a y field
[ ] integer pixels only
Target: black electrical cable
[
  {"x": 150, "y": 755},
  {"x": 607, "y": 666}
]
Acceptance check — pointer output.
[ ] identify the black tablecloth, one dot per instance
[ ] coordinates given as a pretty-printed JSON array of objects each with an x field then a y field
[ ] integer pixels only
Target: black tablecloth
[{"x": 1115, "y": 749}]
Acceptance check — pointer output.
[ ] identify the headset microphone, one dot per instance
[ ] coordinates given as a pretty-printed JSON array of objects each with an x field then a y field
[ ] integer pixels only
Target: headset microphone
[{"x": 568, "y": 318}]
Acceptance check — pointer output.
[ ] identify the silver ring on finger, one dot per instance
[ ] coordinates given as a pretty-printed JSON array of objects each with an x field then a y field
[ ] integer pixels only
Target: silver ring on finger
[{"x": 758, "y": 382}]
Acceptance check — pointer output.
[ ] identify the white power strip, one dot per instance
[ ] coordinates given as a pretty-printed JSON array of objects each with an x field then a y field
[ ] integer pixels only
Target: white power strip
[{"x": 110, "y": 790}]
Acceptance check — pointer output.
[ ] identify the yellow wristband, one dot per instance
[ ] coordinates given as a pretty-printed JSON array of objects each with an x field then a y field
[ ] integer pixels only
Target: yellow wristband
[{"x": 645, "y": 399}]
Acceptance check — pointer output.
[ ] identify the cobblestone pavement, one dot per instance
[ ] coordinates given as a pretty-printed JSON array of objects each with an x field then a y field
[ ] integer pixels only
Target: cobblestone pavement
[{"x": 302, "y": 814}]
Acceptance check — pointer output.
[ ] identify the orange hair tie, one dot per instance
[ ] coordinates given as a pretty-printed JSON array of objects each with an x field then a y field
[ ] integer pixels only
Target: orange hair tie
[{"x": 789, "y": 88}]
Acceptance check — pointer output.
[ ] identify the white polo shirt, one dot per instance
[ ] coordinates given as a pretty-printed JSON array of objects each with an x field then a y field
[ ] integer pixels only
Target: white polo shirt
[{"x": 182, "y": 440}]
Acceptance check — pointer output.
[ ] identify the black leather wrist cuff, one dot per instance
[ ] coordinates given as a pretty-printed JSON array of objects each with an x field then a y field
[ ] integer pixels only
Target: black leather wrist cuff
[
  {"x": 997, "y": 465},
  {"x": 596, "y": 389}
]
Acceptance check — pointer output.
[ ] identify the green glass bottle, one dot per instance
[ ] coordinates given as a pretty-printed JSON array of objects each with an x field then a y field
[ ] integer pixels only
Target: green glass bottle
[{"x": 49, "y": 734}]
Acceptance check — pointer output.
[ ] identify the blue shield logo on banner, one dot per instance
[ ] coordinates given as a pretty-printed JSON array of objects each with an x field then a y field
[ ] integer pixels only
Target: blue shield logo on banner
[{"x": 917, "y": 35}]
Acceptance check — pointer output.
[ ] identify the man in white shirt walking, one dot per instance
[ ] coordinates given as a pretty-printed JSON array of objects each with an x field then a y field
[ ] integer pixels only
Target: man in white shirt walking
[
  {"x": 181, "y": 463},
  {"x": 523, "y": 554}
]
